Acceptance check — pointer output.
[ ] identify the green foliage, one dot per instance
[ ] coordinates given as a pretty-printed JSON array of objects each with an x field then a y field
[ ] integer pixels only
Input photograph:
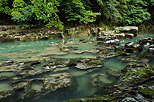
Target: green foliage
[
  {"x": 41, "y": 10},
  {"x": 18, "y": 3},
  {"x": 4, "y": 8},
  {"x": 109, "y": 10},
  {"x": 75, "y": 11},
  {"x": 22, "y": 16},
  {"x": 134, "y": 11},
  {"x": 53, "y": 12},
  {"x": 46, "y": 10}
]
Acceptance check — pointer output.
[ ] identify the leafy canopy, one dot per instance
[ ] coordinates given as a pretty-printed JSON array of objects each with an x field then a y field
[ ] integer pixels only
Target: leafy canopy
[{"x": 54, "y": 12}]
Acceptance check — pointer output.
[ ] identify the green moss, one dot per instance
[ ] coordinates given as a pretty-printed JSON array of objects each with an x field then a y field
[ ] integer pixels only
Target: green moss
[
  {"x": 94, "y": 62},
  {"x": 147, "y": 91}
]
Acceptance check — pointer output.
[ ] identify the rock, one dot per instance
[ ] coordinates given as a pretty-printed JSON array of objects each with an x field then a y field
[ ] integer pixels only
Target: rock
[
  {"x": 89, "y": 64},
  {"x": 3, "y": 78},
  {"x": 132, "y": 47},
  {"x": 56, "y": 81},
  {"x": 68, "y": 48},
  {"x": 105, "y": 38},
  {"x": 134, "y": 85},
  {"x": 94, "y": 31},
  {"x": 72, "y": 62},
  {"x": 129, "y": 47},
  {"x": 146, "y": 42},
  {"x": 147, "y": 89},
  {"x": 6, "y": 27},
  {"x": 151, "y": 49},
  {"x": 127, "y": 29},
  {"x": 108, "y": 55},
  {"x": 135, "y": 74},
  {"x": 17, "y": 85},
  {"x": 112, "y": 42},
  {"x": 101, "y": 29},
  {"x": 135, "y": 59},
  {"x": 100, "y": 80},
  {"x": 124, "y": 35},
  {"x": 113, "y": 73},
  {"x": 28, "y": 35},
  {"x": 106, "y": 33},
  {"x": 129, "y": 44},
  {"x": 4, "y": 95},
  {"x": 129, "y": 99},
  {"x": 55, "y": 64}
]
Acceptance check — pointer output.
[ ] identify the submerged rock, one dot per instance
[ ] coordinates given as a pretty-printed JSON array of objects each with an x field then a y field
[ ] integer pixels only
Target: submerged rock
[
  {"x": 135, "y": 59},
  {"x": 113, "y": 73},
  {"x": 56, "y": 81},
  {"x": 36, "y": 87},
  {"x": 100, "y": 80}
]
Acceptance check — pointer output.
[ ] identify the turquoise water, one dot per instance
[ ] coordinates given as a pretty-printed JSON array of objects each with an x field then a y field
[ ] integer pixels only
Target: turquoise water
[{"x": 81, "y": 87}]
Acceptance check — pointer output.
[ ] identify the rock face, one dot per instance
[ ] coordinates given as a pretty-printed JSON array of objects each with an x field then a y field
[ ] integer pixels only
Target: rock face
[
  {"x": 28, "y": 35},
  {"x": 127, "y": 29},
  {"x": 9, "y": 33}
]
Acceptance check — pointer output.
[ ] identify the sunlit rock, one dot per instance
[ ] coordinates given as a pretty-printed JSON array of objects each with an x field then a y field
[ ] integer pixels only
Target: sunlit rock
[{"x": 127, "y": 29}]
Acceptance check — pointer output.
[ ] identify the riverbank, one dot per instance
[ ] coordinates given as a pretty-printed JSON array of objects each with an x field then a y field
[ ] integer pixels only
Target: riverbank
[{"x": 9, "y": 33}]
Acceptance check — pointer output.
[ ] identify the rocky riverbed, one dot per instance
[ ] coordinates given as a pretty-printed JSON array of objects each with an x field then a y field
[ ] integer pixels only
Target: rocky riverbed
[{"x": 110, "y": 64}]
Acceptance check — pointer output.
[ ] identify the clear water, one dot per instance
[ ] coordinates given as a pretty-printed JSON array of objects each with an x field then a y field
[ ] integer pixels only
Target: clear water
[{"x": 35, "y": 50}]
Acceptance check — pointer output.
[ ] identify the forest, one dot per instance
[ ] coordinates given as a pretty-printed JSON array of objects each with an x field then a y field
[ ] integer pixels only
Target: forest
[{"x": 57, "y": 13}]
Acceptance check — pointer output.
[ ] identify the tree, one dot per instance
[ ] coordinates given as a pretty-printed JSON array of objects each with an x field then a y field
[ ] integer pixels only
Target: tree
[
  {"x": 75, "y": 11},
  {"x": 134, "y": 12},
  {"x": 4, "y": 8}
]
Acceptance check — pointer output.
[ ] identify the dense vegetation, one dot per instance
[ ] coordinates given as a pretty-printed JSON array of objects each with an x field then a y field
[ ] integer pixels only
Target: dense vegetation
[{"x": 54, "y": 13}]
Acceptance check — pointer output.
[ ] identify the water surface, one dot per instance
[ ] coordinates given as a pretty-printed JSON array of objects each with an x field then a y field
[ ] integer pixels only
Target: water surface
[{"x": 36, "y": 50}]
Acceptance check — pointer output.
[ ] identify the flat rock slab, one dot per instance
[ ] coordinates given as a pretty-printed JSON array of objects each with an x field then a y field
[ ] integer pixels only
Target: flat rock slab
[{"x": 127, "y": 29}]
